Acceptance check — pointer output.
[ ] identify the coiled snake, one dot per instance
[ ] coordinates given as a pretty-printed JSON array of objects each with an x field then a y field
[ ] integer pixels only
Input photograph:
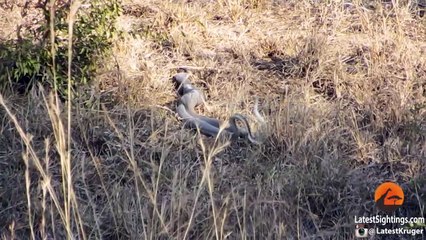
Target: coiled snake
[{"x": 190, "y": 97}]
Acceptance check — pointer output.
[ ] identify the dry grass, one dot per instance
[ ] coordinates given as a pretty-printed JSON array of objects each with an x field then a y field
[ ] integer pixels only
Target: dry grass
[{"x": 343, "y": 88}]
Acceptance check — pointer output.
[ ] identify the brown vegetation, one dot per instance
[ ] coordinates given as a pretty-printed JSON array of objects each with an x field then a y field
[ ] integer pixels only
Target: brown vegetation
[{"x": 342, "y": 86}]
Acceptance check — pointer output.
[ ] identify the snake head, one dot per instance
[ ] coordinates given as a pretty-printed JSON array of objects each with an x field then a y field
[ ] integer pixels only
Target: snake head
[
  {"x": 181, "y": 78},
  {"x": 184, "y": 86},
  {"x": 181, "y": 82},
  {"x": 262, "y": 124}
]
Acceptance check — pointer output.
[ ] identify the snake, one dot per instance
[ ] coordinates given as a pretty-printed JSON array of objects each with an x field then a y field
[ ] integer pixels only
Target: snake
[{"x": 190, "y": 97}]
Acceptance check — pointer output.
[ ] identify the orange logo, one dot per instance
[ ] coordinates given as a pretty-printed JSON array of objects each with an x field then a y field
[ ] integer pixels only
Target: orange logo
[{"x": 389, "y": 196}]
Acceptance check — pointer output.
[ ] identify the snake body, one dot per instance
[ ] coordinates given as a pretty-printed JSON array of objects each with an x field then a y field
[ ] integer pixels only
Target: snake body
[{"x": 190, "y": 97}]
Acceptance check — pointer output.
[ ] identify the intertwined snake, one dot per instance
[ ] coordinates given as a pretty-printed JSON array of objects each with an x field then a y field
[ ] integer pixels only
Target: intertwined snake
[{"x": 190, "y": 97}]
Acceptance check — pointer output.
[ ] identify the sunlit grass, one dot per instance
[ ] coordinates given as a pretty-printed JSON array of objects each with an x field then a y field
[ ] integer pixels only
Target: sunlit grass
[{"x": 341, "y": 86}]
